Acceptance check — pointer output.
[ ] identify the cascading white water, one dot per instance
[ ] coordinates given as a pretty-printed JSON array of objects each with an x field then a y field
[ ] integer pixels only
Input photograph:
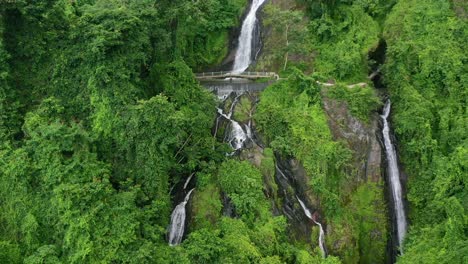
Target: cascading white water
[
  {"x": 237, "y": 135},
  {"x": 221, "y": 112},
  {"x": 177, "y": 227},
  {"x": 394, "y": 177},
  {"x": 244, "y": 50},
  {"x": 188, "y": 180},
  {"x": 248, "y": 130},
  {"x": 322, "y": 233}
]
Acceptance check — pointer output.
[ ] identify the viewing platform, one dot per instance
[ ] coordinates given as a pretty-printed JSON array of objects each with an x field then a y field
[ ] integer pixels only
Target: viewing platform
[{"x": 243, "y": 75}]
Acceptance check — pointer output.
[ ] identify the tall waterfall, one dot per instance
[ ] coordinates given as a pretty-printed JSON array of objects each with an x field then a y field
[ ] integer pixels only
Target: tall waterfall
[
  {"x": 322, "y": 233},
  {"x": 177, "y": 227},
  {"x": 394, "y": 177},
  {"x": 244, "y": 50}
]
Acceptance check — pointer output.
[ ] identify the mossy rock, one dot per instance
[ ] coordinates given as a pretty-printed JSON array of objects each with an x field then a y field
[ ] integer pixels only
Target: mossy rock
[{"x": 243, "y": 109}]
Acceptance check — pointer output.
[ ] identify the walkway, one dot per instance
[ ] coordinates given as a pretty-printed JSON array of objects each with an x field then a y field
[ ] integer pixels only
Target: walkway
[{"x": 244, "y": 75}]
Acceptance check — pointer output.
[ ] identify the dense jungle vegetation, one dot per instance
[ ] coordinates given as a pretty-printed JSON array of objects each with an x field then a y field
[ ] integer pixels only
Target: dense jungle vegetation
[{"x": 100, "y": 115}]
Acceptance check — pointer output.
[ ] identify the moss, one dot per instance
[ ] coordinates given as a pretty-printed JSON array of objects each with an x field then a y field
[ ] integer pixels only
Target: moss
[
  {"x": 359, "y": 234},
  {"x": 206, "y": 207},
  {"x": 362, "y": 101},
  {"x": 369, "y": 213},
  {"x": 243, "y": 110},
  {"x": 267, "y": 168},
  {"x": 216, "y": 47}
]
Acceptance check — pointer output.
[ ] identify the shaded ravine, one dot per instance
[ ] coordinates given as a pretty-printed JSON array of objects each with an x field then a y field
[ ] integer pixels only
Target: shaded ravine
[
  {"x": 394, "y": 178},
  {"x": 393, "y": 175}
]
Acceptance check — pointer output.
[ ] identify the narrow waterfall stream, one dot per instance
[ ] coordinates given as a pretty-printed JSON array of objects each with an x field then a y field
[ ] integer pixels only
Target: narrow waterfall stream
[
  {"x": 322, "y": 233},
  {"x": 188, "y": 180},
  {"x": 394, "y": 177},
  {"x": 244, "y": 50},
  {"x": 177, "y": 226}
]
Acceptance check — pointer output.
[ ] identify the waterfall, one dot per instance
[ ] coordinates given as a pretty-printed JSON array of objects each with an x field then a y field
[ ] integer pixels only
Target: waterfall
[
  {"x": 322, "y": 233},
  {"x": 394, "y": 177},
  {"x": 188, "y": 180},
  {"x": 248, "y": 130},
  {"x": 244, "y": 50},
  {"x": 221, "y": 113},
  {"x": 237, "y": 135},
  {"x": 282, "y": 174},
  {"x": 177, "y": 227}
]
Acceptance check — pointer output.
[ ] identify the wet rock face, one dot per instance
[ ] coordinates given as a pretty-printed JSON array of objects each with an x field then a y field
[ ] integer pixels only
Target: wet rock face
[
  {"x": 292, "y": 181},
  {"x": 361, "y": 138}
]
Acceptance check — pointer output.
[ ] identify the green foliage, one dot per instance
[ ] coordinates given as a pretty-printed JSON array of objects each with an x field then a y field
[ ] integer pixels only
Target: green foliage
[
  {"x": 234, "y": 242},
  {"x": 63, "y": 188},
  {"x": 243, "y": 110},
  {"x": 44, "y": 255},
  {"x": 9, "y": 253},
  {"x": 204, "y": 246},
  {"x": 243, "y": 184},
  {"x": 206, "y": 207},
  {"x": 375, "y": 8},
  {"x": 333, "y": 37},
  {"x": 271, "y": 260},
  {"x": 199, "y": 29},
  {"x": 9, "y": 119},
  {"x": 342, "y": 44},
  {"x": 291, "y": 117},
  {"x": 3, "y": 84},
  {"x": 427, "y": 75},
  {"x": 103, "y": 134},
  {"x": 267, "y": 168},
  {"x": 147, "y": 144},
  {"x": 287, "y": 38},
  {"x": 450, "y": 245},
  {"x": 361, "y": 100},
  {"x": 100, "y": 114},
  {"x": 369, "y": 219}
]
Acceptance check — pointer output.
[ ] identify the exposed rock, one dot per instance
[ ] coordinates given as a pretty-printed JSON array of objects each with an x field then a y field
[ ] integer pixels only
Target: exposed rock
[
  {"x": 254, "y": 154},
  {"x": 360, "y": 137}
]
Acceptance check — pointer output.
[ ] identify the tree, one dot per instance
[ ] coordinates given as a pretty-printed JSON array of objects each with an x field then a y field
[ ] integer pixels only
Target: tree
[
  {"x": 288, "y": 24},
  {"x": 243, "y": 183}
]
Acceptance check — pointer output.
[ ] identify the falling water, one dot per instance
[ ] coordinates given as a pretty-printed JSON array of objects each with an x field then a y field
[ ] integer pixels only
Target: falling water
[
  {"x": 221, "y": 112},
  {"x": 177, "y": 227},
  {"x": 188, "y": 180},
  {"x": 248, "y": 130},
  {"x": 322, "y": 233},
  {"x": 244, "y": 50},
  {"x": 394, "y": 177},
  {"x": 281, "y": 173},
  {"x": 237, "y": 135}
]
